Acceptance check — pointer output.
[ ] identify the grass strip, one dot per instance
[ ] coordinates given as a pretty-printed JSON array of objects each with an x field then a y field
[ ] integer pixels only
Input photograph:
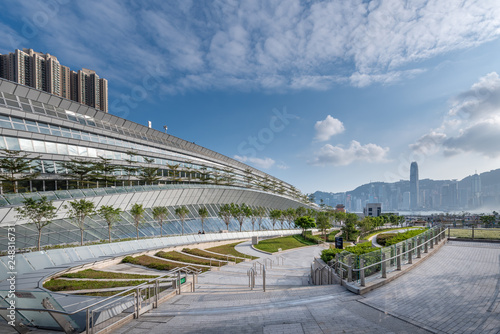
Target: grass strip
[
  {"x": 96, "y": 274},
  {"x": 151, "y": 262},
  {"x": 200, "y": 252},
  {"x": 64, "y": 285},
  {"x": 478, "y": 233},
  {"x": 229, "y": 249},
  {"x": 176, "y": 256},
  {"x": 288, "y": 242}
]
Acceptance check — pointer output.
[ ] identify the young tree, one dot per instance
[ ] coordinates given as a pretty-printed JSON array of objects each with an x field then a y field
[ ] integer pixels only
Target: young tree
[
  {"x": 203, "y": 212},
  {"x": 160, "y": 213},
  {"x": 290, "y": 215},
  {"x": 259, "y": 212},
  {"x": 240, "y": 212},
  {"x": 225, "y": 214},
  {"x": 38, "y": 212},
  {"x": 131, "y": 169},
  {"x": 79, "y": 170},
  {"x": 137, "y": 211},
  {"x": 282, "y": 218},
  {"x": 111, "y": 215},
  {"x": 305, "y": 222},
  {"x": 300, "y": 211},
  {"x": 78, "y": 210},
  {"x": 275, "y": 215},
  {"x": 182, "y": 212},
  {"x": 149, "y": 174},
  {"x": 15, "y": 167},
  {"x": 103, "y": 171},
  {"x": 323, "y": 223}
]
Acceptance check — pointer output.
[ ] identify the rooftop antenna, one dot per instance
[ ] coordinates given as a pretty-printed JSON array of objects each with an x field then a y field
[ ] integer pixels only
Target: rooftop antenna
[
  {"x": 165, "y": 128},
  {"x": 149, "y": 124}
]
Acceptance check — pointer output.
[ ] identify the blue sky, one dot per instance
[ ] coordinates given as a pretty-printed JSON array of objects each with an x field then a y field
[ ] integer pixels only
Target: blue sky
[{"x": 326, "y": 95}]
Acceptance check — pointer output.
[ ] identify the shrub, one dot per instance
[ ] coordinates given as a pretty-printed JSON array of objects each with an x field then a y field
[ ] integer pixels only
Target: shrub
[
  {"x": 329, "y": 254},
  {"x": 382, "y": 238},
  {"x": 331, "y": 235},
  {"x": 403, "y": 236}
]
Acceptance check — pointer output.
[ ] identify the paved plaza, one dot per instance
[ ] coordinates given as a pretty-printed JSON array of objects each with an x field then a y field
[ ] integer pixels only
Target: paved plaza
[{"x": 454, "y": 291}]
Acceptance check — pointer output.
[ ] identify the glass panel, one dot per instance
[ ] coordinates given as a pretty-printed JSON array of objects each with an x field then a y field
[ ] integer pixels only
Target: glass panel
[
  {"x": 12, "y": 143},
  {"x": 19, "y": 126},
  {"x": 39, "y": 146},
  {"x": 62, "y": 148},
  {"x": 39, "y": 260},
  {"x": 48, "y": 166},
  {"x": 51, "y": 147},
  {"x": 5, "y": 124},
  {"x": 26, "y": 144}
]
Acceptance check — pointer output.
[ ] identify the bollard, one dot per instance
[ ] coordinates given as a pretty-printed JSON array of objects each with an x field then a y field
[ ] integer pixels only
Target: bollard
[
  {"x": 418, "y": 247},
  {"x": 432, "y": 240},
  {"x": 179, "y": 276},
  {"x": 338, "y": 269},
  {"x": 349, "y": 269},
  {"x": 157, "y": 292},
  {"x": 138, "y": 302},
  {"x": 398, "y": 259},
  {"x": 264, "y": 278},
  {"x": 410, "y": 251},
  {"x": 384, "y": 266},
  {"x": 362, "y": 271},
  {"x": 426, "y": 250}
]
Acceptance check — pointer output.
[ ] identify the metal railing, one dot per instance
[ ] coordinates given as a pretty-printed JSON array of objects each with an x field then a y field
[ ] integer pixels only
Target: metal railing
[
  {"x": 403, "y": 252},
  {"x": 109, "y": 311}
]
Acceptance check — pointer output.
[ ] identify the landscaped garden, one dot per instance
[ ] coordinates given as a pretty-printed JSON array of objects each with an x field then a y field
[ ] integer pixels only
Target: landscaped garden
[
  {"x": 288, "y": 242},
  {"x": 230, "y": 250}
]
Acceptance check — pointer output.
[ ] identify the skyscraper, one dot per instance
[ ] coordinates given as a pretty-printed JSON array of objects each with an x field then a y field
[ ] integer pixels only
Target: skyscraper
[
  {"x": 44, "y": 72},
  {"x": 414, "y": 200}
]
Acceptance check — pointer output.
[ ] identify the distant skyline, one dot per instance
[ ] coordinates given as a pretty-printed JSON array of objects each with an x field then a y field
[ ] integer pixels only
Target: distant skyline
[{"x": 323, "y": 95}]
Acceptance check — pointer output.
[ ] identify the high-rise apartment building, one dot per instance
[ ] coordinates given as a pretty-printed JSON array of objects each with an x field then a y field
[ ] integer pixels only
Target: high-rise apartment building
[
  {"x": 44, "y": 72},
  {"x": 414, "y": 193}
]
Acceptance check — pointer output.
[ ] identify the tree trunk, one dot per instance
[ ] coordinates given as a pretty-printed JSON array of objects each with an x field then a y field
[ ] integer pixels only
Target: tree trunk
[
  {"x": 137, "y": 230},
  {"x": 202, "y": 228},
  {"x": 161, "y": 230},
  {"x": 81, "y": 237},
  {"x": 39, "y": 237},
  {"x": 240, "y": 226},
  {"x": 182, "y": 226},
  {"x": 109, "y": 233}
]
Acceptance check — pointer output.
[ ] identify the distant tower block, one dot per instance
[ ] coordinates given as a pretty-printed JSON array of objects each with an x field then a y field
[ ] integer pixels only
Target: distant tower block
[{"x": 414, "y": 200}]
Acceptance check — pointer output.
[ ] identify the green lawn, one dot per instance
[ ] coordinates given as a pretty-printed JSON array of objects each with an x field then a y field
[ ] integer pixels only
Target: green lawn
[
  {"x": 289, "y": 242},
  {"x": 200, "y": 252},
  {"x": 490, "y": 233},
  {"x": 176, "y": 256},
  {"x": 96, "y": 274},
  {"x": 153, "y": 263},
  {"x": 64, "y": 285},
  {"x": 229, "y": 249}
]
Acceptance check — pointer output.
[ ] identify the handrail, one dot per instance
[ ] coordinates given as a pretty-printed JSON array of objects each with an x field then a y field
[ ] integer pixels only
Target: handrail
[
  {"x": 396, "y": 256},
  {"x": 173, "y": 271}
]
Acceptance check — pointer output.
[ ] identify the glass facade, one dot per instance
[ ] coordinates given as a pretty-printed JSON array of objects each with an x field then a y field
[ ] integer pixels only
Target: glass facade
[{"x": 189, "y": 175}]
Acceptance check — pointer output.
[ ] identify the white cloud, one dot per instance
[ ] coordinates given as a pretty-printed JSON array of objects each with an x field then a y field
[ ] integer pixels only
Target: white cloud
[
  {"x": 471, "y": 125},
  {"x": 327, "y": 128},
  {"x": 260, "y": 163},
  {"x": 340, "y": 156},
  {"x": 261, "y": 44}
]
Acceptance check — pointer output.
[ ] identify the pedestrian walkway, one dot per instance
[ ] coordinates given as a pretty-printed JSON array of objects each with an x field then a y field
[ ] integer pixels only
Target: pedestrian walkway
[
  {"x": 454, "y": 291},
  {"x": 223, "y": 303}
]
